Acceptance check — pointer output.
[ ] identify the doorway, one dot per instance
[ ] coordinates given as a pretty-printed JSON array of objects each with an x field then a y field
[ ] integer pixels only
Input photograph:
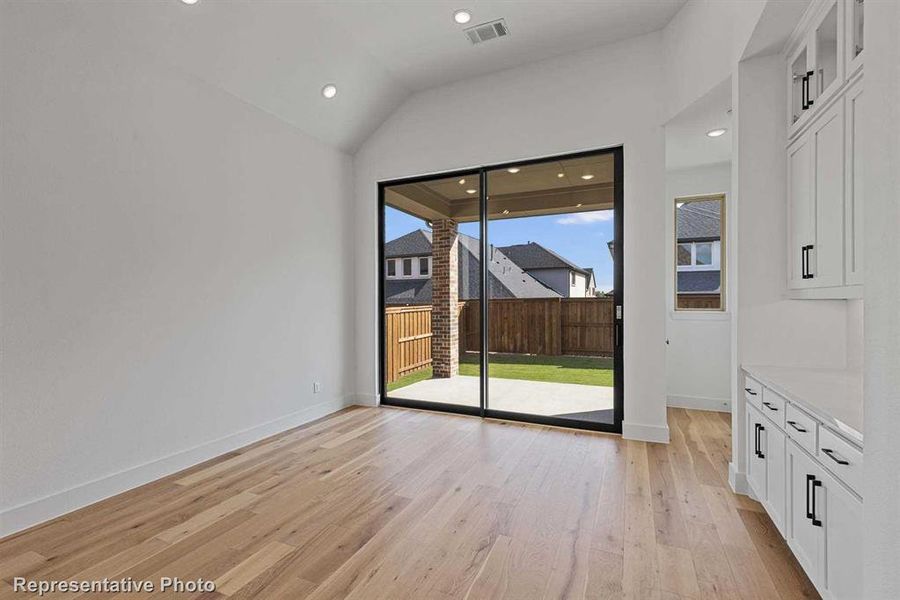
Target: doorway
[{"x": 500, "y": 291}]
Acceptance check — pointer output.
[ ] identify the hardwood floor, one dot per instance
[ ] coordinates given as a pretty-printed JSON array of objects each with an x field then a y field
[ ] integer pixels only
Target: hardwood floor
[{"x": 392, "y": 503}]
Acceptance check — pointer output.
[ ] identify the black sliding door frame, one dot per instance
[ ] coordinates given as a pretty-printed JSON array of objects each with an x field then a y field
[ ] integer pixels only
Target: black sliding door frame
[{"x": 483, "y": 409}]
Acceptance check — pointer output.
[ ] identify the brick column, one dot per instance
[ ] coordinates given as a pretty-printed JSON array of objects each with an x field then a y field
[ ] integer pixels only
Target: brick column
[{"x": 444, "y": 298}]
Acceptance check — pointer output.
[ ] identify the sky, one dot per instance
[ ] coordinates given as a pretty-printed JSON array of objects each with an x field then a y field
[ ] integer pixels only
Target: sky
[{"x": 580, "y": 237}]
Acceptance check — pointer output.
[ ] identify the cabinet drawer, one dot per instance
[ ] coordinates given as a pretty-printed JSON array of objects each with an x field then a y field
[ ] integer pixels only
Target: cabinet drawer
[
  {"x": 773, "y": 406},
  {"x": 841, "y": 458},
  {"x": 753, "y": 391},
  {"x": 801, "y": 428}
]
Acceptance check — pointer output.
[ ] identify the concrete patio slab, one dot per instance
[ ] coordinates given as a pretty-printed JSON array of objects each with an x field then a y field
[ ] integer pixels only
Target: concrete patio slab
[{"x": 514, "y": 395}]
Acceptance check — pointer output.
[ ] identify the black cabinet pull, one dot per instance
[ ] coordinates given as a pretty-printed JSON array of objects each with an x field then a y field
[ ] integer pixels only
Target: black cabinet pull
[
  {"x": 830, "y": 453},
  {"x": 769, "y": 406},
  {"x": 749, "y": 391},
  {"x": 803, "y": 262},
  {"x": 809, "y": 273},
  {"x": 759, "y": 444},
  {"x": 809, "y": 101},
  {"x": 815, "y": 521},
  {"x": 795, "y": 426},
  {"x": 756, "y": 439},
  {"x": 809, "y": 479},
  {"x": 803, "y": 92}
]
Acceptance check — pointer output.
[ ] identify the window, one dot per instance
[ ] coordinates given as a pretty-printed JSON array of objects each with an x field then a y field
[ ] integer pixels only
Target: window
[
  {"x": 573, "y": 277},
  {"x": 391, "y": 268},
  {"x": 423, "y": 266},
  {"x": 700, "y": 253},
  {"x": 407, "y": 267}
]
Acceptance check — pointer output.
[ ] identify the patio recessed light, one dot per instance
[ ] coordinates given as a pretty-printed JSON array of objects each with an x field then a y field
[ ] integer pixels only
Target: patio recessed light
[
  {"x": 471, "y": 191},
  {"x": 578, "y": 205},
  {"x": 513, "y": 170},
  {"x": 462, "y": 16},
  {"x": 715, "y": 132},
  {"x": 587, "y": 176},
  {"x": 505, "y": 211},
  {"x": 329, "y": 91},
  {"x": 189, "y": 1},
  {"x": 560, "y": 175},
  {"x": 462, "y": 182}
]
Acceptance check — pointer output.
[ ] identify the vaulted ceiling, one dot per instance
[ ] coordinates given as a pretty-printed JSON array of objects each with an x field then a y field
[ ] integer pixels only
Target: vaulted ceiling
[{"x": 277, "y": 54}]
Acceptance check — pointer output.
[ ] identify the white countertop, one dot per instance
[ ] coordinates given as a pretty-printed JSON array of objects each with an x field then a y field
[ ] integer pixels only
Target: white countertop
[{"x": 834, "y": 396}]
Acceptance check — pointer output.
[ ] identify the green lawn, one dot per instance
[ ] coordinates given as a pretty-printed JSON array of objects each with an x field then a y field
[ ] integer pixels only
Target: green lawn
[{"x": 586, "y": 370}]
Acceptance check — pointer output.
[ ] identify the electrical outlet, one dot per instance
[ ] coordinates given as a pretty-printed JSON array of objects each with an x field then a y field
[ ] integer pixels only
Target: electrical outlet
[{"x": 317, "y": 387}]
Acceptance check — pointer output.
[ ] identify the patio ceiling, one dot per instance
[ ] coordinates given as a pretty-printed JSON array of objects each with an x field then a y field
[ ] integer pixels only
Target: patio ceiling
[{"x": 568, "y": 186}]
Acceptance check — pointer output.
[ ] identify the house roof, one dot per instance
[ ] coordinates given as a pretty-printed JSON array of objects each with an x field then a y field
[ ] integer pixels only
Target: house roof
[
  {"x": 414, "y": 243},
  {"x": 505, "y": 278},
  {"x": 699, "y": 282},
  {"x": 699, "y": 221},
  {"x": 532, "y": 256}
]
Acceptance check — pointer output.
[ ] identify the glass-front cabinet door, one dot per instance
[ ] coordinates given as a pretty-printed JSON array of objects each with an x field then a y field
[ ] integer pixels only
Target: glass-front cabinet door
[
  {"x": 855, "y": 39},
  {"x": 827, "y": 71}
]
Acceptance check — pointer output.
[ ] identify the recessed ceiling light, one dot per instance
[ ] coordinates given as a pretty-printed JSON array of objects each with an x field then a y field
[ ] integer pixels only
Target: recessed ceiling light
[
  {"x": 329, "y": 91},
  {"x": 679, "y": 204},
  {"x": 587, "y": 176},
  {"x": 462, "y": 182},
  {"x": 715, "y": 132},
  {"x": 471, "y": 191},
  {"x": 513, "y": 170},
  {"x": 190, "y": 1},
  {"x": 462, "y": 16},
  {"x": 560, "y": 175},
  {"x": 505, "y": 211},
  {"x": 578, "y": 205}
]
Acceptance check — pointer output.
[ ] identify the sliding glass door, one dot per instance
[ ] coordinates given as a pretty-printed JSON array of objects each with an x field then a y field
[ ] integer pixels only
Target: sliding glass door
[{"x": 533, "y": 331}]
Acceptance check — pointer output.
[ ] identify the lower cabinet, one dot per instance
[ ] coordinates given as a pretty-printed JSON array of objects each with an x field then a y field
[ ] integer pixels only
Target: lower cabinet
[
  {"x": 823, "y": 528},
  {"x": 765, "y": 464}
]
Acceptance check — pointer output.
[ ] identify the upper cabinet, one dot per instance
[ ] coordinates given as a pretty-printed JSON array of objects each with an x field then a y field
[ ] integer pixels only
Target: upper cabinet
[
  {"x": 824, "y": 184},
  {"x": 816, "y": 62}
]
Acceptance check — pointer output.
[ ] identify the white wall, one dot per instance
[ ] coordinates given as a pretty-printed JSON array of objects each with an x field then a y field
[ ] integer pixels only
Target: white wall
[
  {"x": 880, "y": 132},
  {"x": 164, "y": 249},
  {"x": 598, "y": 98},
  {"x": 698, "y": 356}
]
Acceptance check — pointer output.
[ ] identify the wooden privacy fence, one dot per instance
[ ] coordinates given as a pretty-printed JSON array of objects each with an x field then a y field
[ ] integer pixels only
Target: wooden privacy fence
[
  {"x": 407, "y": 339},
  {"x": 548, "y": 326}
]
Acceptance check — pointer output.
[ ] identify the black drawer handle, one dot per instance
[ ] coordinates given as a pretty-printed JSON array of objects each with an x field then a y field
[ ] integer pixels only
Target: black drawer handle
[
  {"x": 815, "y": 521},
  {"x": 831, "y": 454},
  {"x": 749, "y": 391},
  {"x": 769, "y": 406},
  {"x": 759, "y": 444},
  {"x": 756, "y": 439},
  {"x": 795, "y": 426},
  {"x": 809, "y": 479}
]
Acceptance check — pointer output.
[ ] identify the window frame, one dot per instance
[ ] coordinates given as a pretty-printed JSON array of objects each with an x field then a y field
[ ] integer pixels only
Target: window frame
[
  {"x": 390, "y": 264},
  {"x": 694, "y": 267},
  {"x": 403, "y": 263},
  {"x": 427, "y": 262}
]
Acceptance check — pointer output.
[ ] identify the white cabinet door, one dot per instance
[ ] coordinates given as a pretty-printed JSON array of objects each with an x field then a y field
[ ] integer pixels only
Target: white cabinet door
[
  {"x": 756, "y": 454},
  {"x": 825, "y": 260},
  {"x": 775, "y": 475},
  {"x": 801, "y": 213},
  {"x": 853, "y": 201},
  {"x": 804, "y": 531},
  {"x": 841, "y": 511},
  {"x": 826, "y": 42}
]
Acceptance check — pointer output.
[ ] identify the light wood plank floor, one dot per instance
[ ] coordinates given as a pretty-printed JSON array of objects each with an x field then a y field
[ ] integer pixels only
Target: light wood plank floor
[{"x": 391, "y": 503}]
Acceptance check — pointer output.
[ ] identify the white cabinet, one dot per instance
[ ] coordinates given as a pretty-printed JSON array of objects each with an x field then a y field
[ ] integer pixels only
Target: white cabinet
[
  {"x": 824, "y": 70},
  {"x": 816, "y": 64},
  {"x": 824, "y": 522},
  {"x": 807, "y": 476},
  {"x": 853, "y": 181},
  {"x": 765, "y": 464},
  {"x": 804, "y": 531},
  {"x": 756, "y": 455},
  {"x": 816, "y": 203}
]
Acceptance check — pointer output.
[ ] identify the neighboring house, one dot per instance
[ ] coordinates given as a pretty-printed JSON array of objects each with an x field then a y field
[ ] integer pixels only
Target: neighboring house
[
  {"x": 566, "y": 278},
  {"x": 408, "y": 268},
  {"x": 698, "y": 230}
]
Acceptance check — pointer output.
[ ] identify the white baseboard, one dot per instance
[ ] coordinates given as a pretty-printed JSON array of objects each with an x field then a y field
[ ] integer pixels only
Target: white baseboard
[
  {"x": 645, "y": 433},
  {"x": 700, "y": 403},
  {"x": 737, "y": 481},
  {"x": 49, "y": 507},
  {"x": 365, "y": 399}
]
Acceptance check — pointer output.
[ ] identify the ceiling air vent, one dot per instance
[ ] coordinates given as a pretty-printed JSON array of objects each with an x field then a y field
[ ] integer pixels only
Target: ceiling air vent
[{"x": 487, "y": 31}]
